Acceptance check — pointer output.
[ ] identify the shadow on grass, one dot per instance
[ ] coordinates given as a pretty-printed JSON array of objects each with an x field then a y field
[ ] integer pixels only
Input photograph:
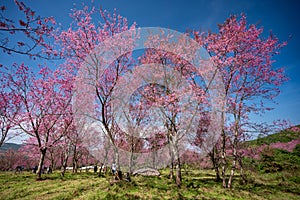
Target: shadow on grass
[{"x": 203, "y": 182}]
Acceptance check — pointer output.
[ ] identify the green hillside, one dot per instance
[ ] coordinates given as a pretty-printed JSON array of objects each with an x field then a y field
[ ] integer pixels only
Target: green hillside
[
  {"x": 286, "y": 135},
  {"x": 276, "y": 152}
]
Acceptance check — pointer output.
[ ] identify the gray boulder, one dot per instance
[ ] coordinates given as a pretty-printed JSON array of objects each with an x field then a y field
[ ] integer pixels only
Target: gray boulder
[{"x": 146, "y": 172}]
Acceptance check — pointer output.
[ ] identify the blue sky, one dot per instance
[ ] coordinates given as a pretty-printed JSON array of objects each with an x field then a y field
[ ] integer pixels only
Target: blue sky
[{"x": 282, "y": 17}]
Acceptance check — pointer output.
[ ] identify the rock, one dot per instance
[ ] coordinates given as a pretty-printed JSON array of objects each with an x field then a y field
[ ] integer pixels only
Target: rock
[{"x": 146, "y": 172}]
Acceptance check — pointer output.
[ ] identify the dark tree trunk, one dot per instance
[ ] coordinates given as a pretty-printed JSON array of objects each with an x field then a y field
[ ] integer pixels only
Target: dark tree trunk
[
  {"x": 154, "y": 152},
  {"x": 65, "y": 162},
  {"x": 215, "y": 161},
  {"x": 75, "y": 165},
  {"x": 75, "y": 159},
  {"x": 41, "y": 163},
  {"x": 224, "y": 162}
]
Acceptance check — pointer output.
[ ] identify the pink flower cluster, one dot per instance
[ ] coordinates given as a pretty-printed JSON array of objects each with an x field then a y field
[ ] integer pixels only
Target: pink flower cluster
[
  {"x": 255, "y": 152},
  {"x": 288, "y": 146}
]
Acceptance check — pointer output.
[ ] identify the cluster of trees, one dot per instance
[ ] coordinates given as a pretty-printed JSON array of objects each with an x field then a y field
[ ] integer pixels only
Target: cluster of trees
[
  {"x": 41, "y": 101},
  {"x": 26, "y": 156}
]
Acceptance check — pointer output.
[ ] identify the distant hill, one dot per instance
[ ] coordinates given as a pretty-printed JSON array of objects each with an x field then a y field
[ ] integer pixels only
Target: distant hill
[
  {"x": 7, "y": 146},
  {"x": 284, "y": 136}
]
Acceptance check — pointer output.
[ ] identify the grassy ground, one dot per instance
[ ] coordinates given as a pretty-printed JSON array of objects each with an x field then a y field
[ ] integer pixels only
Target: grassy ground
[{"x": 196, "y": 185}]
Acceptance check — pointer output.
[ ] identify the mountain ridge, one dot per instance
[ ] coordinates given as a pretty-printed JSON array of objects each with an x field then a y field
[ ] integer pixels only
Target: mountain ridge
[{"x": 6, "y": 146}]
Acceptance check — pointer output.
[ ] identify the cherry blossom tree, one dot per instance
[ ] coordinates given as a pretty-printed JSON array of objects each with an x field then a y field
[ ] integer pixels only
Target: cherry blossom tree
[
  {"x": 77, "y": 43},
  {"x": 45, "y": 106},
  {"x": 245, "y": 59},
  {"x": 177, "y": 80}
]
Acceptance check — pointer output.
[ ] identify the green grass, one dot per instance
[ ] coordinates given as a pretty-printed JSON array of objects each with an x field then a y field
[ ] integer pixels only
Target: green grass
[{"x": 197, "y": 184}]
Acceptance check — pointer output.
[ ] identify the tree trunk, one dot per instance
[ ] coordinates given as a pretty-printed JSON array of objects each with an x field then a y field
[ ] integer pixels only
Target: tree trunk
[
  {"x": 233, "y": 167},
  {"x": 117, "y": 161},
  {"x": 235, "y": 155},
  {"x": 154, "y": 158},
  {"x": 100, "y": 170},
  {"x": 75, "y": 165},
  {"x": 171, "y": 162},
  {"x": 215, "y": 161},
  {"x": 53, "y": 164},
  {"x": 41, "y": 163},
  {"x": 132, "y": 157},
  {"x": 177, "y": 166},
  {"x": 65, "y": 162},
  {"x": 224, "y": 162},
  {"x": 52, "y": 158},
  {"x": 171, "y": 175},
  {"x": 103, "y": 164},
  {"x": 218, "y": 177},
  {"x": 75, "y": 159},
  {"x": 244, "y": 179},
  {"x": 63, "y": 167},
  {"x": 130, "y": 162},
  {"x": 223, "y": 150}
]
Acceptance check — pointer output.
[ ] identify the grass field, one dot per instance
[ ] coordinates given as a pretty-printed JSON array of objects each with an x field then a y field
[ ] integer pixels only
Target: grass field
[{"x": 197, "y": 184}]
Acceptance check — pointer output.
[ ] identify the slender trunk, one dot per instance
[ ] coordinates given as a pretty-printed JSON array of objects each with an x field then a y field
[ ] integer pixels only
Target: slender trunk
[
  {"x": 244, "y": 179},
  {"x": 51, "y": 159},
  {"x": 235, "y": 156},
  {"x": 218, "y": 177},
  {"x": 178, "y": 173},
  {"x": 171, "y": 170},
  {"x": 223, "y": 157},
  {"x": 75, "y": 160},
  {"x": 64, "y": 166},
  {"x": 177, "y": 166},
  {"x": 41, "y": 162},
  {"x": 3, "y": 135},
  {"x": 104, "y": 162},
  {"x": 154, "y": 152},
  {"x": 130, "y": 162},
  {"x": 53, "y": 164},
  {"x": 171, "y": 162},
  {"x": 131, "y": 157},
  {"x": 65, "y": 162},
  {"x": 223, "y": 150},
  {"x": 75, "y": 165},
  {"x": 116, "y": 161},
  {"x": 215, "y": 161},
  {"x": 100, "y": 170},
  {"x": 233, "y": 167}
]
